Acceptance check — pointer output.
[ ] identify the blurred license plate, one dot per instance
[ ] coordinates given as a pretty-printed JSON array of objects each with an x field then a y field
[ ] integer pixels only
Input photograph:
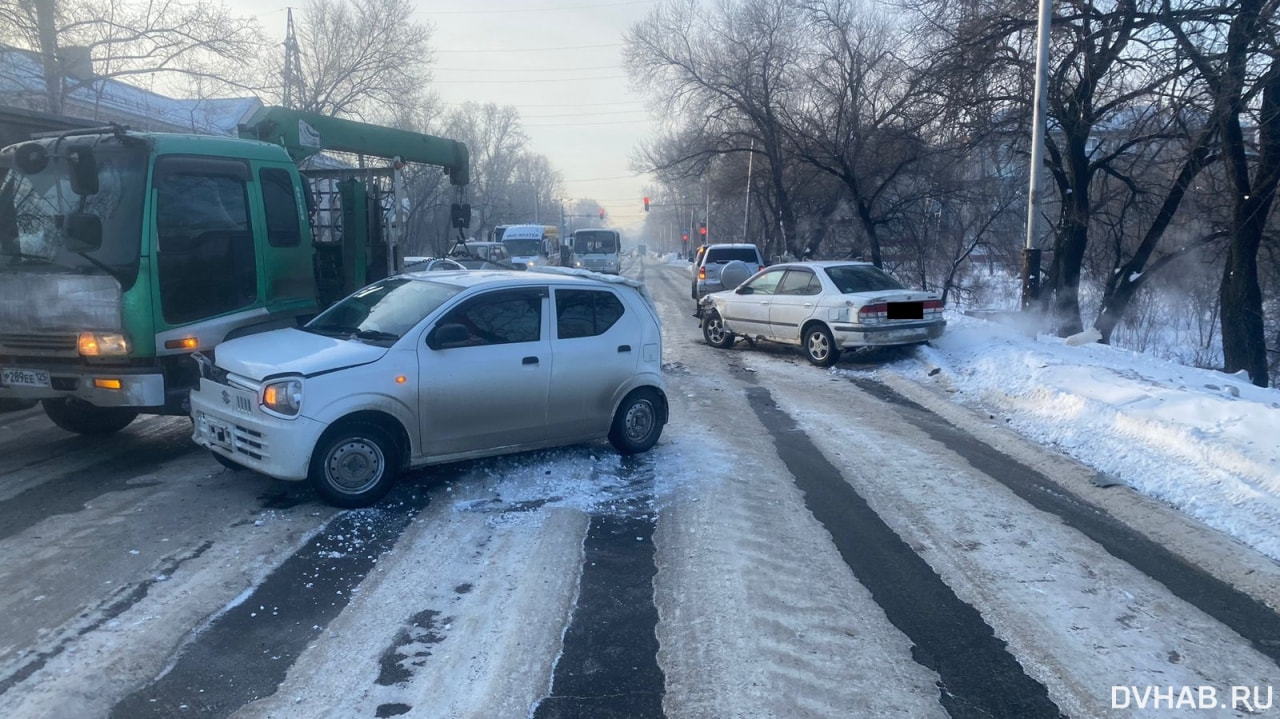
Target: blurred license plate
[
  {"x": 16, "y": 377},
  {"x": 217, "y": 432},
  {"x": 906, "y": 310}
]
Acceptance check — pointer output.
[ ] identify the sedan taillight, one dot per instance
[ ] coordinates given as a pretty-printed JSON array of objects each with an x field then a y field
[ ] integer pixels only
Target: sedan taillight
[
  {"x": 873, "y": 313},
  {"x": 933, "y": 304}
]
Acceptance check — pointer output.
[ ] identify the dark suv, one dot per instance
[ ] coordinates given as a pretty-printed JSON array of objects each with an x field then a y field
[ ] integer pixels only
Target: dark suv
[{"x": 712, "y": 258}]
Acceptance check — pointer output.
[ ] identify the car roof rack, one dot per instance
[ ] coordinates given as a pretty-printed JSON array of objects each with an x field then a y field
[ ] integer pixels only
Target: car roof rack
[{"x": 113, "y": 129}]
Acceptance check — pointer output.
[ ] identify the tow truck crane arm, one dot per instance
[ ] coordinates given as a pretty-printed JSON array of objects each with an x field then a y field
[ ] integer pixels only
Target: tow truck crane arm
[{"x": 304, "y": 134}]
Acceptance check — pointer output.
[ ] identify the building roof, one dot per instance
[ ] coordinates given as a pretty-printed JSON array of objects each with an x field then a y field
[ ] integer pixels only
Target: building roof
[{"x": 102, "y": 99}]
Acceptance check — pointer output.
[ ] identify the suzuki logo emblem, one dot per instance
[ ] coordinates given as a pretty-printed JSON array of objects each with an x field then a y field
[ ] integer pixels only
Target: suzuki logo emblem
[{"x": 226, "y": 397}]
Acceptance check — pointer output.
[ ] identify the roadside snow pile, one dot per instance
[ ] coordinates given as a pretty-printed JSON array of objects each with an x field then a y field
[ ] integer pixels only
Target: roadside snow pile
[{"x": 1200, "y": 440}]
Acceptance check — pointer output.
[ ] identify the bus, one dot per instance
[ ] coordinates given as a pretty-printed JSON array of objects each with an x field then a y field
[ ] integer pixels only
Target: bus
[
  {"x": 598, "y": 250},
  {"x": 530, "y": 245}
]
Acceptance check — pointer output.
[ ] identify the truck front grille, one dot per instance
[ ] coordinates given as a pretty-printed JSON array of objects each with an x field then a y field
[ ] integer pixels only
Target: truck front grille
[{"x": 55, "y": 344}]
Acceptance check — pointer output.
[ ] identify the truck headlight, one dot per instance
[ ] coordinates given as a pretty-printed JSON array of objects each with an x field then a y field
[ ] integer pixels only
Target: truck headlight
[
  {"x": 102, "y": 344},
  {"x": 283, "y": 397}
]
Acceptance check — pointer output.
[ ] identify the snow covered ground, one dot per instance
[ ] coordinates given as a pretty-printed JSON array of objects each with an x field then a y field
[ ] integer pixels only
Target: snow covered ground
[{"x": 1202, "y": 441}]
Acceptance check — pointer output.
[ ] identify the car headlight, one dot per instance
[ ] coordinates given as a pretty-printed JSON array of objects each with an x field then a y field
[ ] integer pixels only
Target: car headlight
[
  {"x": 102, "y": 344},
  {"x": 283, "y": 397}
]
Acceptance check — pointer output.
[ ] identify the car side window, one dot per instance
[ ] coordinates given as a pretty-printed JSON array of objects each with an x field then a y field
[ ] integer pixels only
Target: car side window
[
  {"x": 766, "y": 284},
  {"x": 799, "y": 282},
  {"x": 502, "y": 317},
  {"x": 586, "y": 313}
]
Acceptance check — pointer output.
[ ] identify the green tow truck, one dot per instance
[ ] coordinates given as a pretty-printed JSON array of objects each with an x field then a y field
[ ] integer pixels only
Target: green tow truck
[{"x": 122, "y": 253}]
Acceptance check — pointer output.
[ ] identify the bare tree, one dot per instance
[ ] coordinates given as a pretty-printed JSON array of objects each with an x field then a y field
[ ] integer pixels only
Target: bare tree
[
  {"x": 362, "y": 58},
  {"x": 496, "y": 143},
  {"x": 130, "y": 38},
  {"x": 727, "y": 73},
  {"x": 1233, "y": 51}
]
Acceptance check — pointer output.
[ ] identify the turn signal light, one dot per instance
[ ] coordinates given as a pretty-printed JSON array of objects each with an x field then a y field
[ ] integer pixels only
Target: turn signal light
[
  {"x": 106, "y": 383},
  {"x": 186, "y": 343}
]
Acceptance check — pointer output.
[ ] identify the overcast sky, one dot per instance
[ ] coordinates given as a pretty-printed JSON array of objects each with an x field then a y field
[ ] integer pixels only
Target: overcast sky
[{"x": 559, "y": 62}]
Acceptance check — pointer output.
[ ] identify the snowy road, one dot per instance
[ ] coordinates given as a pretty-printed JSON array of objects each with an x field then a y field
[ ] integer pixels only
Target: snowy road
[{"x": 802, "y": 543}]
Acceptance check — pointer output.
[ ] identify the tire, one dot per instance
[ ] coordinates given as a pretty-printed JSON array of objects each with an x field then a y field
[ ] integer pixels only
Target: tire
[
  {"x": 81, "y": 417},
  {"x": 819, "y": 347},
  {"x": 354, "y": 465},
  {"x": 714, "y": 333},
  {"x": 230, "y": 464},
  {"x": 638, "y": 422}
]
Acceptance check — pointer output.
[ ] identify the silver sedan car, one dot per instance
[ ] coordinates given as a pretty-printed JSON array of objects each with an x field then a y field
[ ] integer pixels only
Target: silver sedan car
[{"x": 823, "y": 307}]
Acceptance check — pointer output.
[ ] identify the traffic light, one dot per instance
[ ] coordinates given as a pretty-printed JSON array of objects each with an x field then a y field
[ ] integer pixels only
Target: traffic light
[
  {"x": 646, "y": 204},
  {"x": 684, "y": 238},
  {"x": 702, "y": 229},
  {"x": 602, "y": 213}
]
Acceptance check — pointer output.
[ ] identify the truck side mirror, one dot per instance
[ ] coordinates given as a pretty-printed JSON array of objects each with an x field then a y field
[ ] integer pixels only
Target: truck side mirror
[
  {"x": 83, "y": 232},
  {"x": 84, "y": 170}
]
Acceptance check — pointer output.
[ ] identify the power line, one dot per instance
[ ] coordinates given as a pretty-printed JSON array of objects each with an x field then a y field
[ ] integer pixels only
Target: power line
[
  {"x": 507, "y": 11},
  {"x": 528, "y": 49},
  {"x": 524, "y": 82},
  {"x": 525, "y": 69},
  {"x": 592, "y": 124},
  {"x": 581, "y": 114}
]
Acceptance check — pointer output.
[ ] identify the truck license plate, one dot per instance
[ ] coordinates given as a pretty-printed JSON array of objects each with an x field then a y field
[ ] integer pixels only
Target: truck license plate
[{"x": 16, "y": 377}]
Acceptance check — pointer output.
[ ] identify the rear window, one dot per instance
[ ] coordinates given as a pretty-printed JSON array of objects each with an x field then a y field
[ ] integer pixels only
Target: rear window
[
  {"x": 722, "y": 255},
  {"x": 861, "y": 278}
]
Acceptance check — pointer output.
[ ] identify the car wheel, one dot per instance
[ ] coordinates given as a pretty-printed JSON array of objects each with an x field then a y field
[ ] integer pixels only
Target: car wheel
[
  {"x": 819, "y": 347},
  {"x": 81, "y": 417},
  {"x": 354, "y": 465},
  {"x": 230, "y": 464},
  {"x": 638, "y": 422},
  {"x": 714, "y": 332}
]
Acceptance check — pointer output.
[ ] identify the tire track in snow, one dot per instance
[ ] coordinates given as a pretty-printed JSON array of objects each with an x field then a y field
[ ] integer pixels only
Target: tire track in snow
[
  {"x": 978, "y": 676},
  {"x": 608, "y": 666}
]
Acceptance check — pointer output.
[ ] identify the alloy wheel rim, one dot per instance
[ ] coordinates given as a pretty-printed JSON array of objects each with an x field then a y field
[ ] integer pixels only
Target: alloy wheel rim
[
  {"x": 715, "y": 330},
  {"x": 818, "y": 348}
]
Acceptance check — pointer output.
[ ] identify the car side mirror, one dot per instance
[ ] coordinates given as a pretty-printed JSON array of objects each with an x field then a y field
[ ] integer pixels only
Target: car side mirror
[
  {"x": 446, "y": 336},
  {"x": 745, "y": 290},
  {"x": 84, "y": 171},
  {"x": 83, "y": 232}
]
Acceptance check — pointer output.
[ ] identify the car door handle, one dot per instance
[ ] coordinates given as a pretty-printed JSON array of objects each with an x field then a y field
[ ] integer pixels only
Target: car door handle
[
  {"x": 624, "y": 348},
  {"x": 808, "y": 304},
  {"x": 529, "y": 360}
]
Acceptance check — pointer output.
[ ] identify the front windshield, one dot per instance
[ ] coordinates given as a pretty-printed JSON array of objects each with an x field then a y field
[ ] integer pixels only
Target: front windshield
[
  {"x": 861, "y": 278},
  {"x": 523, "y": 248},
  {"x": 595, "y": 243},
  {"x": 34, "y": 207},
  {"x": 383, "y": 311}
]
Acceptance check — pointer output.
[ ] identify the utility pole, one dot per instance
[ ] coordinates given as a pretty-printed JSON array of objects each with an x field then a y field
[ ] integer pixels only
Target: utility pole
[
  {"x": 292, "y": 64},
  {"x": 1031, "y": 254}
]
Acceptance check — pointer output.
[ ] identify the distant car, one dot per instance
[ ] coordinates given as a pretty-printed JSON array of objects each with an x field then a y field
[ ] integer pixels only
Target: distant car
[
  {"x": 424, "y": 368},
  {"x": 824, "y": 307},
  {"x": 711, "y": 259},
  {"x": 483, "y": 256},
  {"x": 431, "y": 264}
]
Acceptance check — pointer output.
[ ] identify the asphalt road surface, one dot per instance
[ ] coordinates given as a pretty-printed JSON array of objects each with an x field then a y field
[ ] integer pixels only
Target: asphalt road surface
[{"x": 801, "y": 543}]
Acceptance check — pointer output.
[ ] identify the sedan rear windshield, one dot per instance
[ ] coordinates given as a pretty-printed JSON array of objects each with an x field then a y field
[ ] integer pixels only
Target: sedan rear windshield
[
  {"x": 861, "y": 278},
  {"x": 728, "y": 254}
]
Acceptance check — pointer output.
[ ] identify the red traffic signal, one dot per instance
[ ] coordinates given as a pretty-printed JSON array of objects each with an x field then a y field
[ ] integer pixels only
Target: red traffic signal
[
  {"x": 602, "y": 213},
  {"x": 646, "y": 204},
  {"x": 703, "y": 230},
  {"x": 684, "y": 237}
]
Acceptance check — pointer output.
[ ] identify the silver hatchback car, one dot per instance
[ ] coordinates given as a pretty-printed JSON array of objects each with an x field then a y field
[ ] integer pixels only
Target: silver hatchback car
[{"x": 432, "y": 367}]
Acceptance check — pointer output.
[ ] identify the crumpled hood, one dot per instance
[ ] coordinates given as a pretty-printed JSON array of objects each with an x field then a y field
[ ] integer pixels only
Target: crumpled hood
[{"x": 291, "y": 351}]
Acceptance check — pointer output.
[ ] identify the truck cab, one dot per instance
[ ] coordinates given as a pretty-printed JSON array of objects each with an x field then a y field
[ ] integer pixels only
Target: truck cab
[{"x": 123, "y": 253}]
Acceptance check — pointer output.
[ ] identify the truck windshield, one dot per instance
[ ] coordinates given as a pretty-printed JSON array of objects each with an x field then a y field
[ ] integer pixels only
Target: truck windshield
[
  {"x": 595, "y": 243},
  {"x": 383, "y": 311},
  {"x": 33, "y": 208},
  {"x": 523, "y": 248}
]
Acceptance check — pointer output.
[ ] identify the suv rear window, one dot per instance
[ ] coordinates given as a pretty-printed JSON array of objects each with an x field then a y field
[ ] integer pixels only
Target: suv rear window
[{"x": 722, "y": 255}]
